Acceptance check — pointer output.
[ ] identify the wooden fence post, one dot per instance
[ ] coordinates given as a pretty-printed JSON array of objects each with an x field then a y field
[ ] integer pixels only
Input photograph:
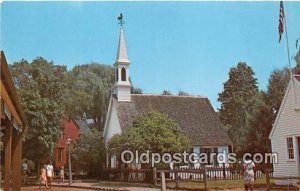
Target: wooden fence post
[
  {"x": 176, "y": 179},
  {"x": 224, "y": 173},
  {"x": 268, "y": 180},
  {"x": 163, "y": 181},
  {"x": 154, "y": 176},
  {"x": 205, "y": 178},
  {"x": 121, "y": 175}
]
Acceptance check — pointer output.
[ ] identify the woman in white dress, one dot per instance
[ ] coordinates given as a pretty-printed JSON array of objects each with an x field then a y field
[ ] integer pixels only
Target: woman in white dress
[{"x": 249, "y": 174}]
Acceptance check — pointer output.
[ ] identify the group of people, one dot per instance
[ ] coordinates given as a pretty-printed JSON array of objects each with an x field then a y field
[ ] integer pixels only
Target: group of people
[{"x": 47, "y": 175}]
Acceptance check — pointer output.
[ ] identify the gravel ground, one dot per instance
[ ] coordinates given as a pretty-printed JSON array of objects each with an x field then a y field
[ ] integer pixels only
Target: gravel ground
[{"x": 32, "y": 188}]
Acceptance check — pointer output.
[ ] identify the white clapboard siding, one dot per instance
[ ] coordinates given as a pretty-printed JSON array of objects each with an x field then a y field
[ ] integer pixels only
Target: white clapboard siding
[
  {"x": 124, "y": 93},
  {"x": 221, "y": 149},
  {"x": 112, "y": 125},
  {"x": 286, "y": 125}
]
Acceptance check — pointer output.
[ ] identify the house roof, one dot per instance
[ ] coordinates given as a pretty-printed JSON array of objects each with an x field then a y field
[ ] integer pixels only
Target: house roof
[
  {"x": 195, "y": 115},
  {"x": 296, "y": 79},
  {"x": 83, "y": 126}
]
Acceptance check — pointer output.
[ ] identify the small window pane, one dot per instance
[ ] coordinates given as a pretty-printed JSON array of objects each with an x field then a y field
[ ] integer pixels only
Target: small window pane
[
  {"x": 290, "y": 148},
  {"x": 60, "y": 155}
]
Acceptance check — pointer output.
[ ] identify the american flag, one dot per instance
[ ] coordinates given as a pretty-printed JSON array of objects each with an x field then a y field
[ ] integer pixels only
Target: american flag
[{"x": 281, "y": 20}]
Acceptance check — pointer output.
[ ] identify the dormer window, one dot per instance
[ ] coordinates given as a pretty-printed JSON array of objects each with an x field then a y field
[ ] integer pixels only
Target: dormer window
[{"x": 123, "y": 74}]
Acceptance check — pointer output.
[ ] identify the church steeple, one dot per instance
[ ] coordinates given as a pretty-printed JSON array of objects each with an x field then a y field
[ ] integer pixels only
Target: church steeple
[
  {"x": 122, "y": 86},
  {"x": 122, "y": 51}
]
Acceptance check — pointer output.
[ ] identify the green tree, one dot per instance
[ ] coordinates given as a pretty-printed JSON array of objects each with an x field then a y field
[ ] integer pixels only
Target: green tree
[
  {"x": 89, "y": 92},
  {"x": 297, "y": 59},
  {"x": 237, "y": 102},
  {"x": 266, "y": 108},
  {"x": 40, "y": 86},
  {"x": 136, "y": 90},
  {"x": 153, "y": 131},
  {"x": 259, "y": 125},
  {"x": 278, "y": 82},
  {"x": 183, "y": 93},
  {"x": 88, "y": 153},
  {"x": 166, "y": 92}
]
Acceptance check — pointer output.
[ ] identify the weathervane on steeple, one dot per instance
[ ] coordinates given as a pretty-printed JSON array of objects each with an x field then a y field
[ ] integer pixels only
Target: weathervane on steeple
[{"x": 120, "y": 18}]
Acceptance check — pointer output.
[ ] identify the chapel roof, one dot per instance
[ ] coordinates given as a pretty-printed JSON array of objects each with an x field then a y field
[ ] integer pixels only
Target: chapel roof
[{"x": 195, "y": 116}]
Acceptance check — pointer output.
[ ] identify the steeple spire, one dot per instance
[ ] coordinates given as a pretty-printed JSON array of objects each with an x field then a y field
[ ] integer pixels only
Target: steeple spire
[
  {"x": 122, "y": 51},
  {"x": 122, "y": 86}
]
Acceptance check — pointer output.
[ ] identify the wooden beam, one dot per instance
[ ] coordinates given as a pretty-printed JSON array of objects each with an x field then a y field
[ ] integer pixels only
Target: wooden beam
[
  {"x": 16, "y": 160},
  {"x": 7, "y": 154},
  {"x": 2, "y": 115},
  {"x": 8, "y": 83},
  {"x": 7, "y": 99}
]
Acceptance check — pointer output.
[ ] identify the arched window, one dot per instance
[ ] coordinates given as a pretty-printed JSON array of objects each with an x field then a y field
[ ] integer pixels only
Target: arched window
[{"x": 123, "y": 74}]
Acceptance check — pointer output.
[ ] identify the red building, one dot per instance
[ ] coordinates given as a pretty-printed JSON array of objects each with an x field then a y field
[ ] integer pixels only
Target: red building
[{"x": 70, "y": 130}]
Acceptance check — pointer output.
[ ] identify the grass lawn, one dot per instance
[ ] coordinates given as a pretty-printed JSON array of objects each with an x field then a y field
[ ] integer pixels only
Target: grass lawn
[{"x": 218, "y": 184}]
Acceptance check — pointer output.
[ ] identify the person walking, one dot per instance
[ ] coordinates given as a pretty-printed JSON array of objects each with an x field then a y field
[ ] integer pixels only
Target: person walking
[
  {"x": 249, "y": 173},
  {"x": 50, "y": 173},
  {"x": 43, "y": 177},
  {"x": 24, "y": 171}
]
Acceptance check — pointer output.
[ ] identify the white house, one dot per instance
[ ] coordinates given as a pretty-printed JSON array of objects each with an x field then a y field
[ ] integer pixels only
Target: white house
[
  {"x": 285, "y": 134},
  {"x": 195, "y": 115}
]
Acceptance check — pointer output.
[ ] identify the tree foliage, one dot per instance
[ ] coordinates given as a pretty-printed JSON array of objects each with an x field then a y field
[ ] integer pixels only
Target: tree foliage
[
  {"x": 89, "y": 92},
  {"x": 183, "y": 93},
  {"x": 259, "y": 125},
  {"x": 153, "y": 131},
  {"x": 237, "y": 102},
  {"x": 49, "y": 92},
  {"x": 41, "y": 87},
  {"x": 136, "y": 90},
  {"x": 267, "y": 105},
  {"x": 278, "y": 82},
  {"x": 88, "y": 152},
  {"x": 166, "y": 92},
  {"x": 297, "y": 59}
]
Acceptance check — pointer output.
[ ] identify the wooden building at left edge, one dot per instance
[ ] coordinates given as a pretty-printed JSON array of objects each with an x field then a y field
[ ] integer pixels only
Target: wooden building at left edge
[{"x": 13, "y": 124}]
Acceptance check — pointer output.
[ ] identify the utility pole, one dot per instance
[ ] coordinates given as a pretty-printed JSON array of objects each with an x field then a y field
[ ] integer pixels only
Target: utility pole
[{"x": 70, "y": 167}]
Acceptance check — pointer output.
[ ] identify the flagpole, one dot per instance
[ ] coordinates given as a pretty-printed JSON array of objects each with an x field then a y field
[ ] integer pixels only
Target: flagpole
[
  {"x": 287, "y": 44},
  {"x": 289, "y": 59}
]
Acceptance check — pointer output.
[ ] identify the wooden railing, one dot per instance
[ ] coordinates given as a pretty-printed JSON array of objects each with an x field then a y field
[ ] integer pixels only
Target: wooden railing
[
  {"x": 215, "y": 173},
  {"x": 177, "y": 175},
  {"x": 128, "y": 175},
  {"x": 201, "y": 172}
]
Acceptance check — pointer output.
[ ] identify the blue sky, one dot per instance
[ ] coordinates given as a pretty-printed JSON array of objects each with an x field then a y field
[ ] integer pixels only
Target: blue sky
[{"x": 187, "y": 46}]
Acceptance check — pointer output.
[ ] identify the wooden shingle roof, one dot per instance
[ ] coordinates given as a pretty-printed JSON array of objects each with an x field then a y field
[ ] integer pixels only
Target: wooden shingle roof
[{"x": 195, "y": 115}]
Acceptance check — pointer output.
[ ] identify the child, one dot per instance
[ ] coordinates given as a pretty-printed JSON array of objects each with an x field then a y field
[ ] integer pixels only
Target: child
[
  {"x": 62, "y": 174},
  {"x": 43, "y": 177}
]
